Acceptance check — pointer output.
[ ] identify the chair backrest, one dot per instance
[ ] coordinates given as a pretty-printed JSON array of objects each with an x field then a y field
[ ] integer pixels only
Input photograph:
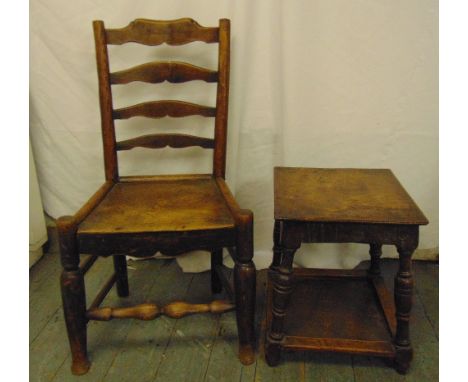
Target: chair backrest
[{"x": 152, "y": 32}]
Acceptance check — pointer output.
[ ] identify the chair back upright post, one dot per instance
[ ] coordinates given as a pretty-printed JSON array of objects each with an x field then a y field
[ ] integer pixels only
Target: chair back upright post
[
  {"x": 222, "y": 99},
  {"x": 105, "y": 103},
  {"x": 153, "y": 32}
]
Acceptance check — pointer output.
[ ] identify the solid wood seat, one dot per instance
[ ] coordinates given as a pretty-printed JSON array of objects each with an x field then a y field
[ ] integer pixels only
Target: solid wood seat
[
  {"x": 169, "y": 204},
  {"x": 171, "y": 214},
  {"x": 343, "y": 195}
]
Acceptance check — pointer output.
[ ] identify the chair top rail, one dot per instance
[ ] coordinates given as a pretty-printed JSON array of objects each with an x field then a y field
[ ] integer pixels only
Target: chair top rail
[{"x": 155, "y": 32}]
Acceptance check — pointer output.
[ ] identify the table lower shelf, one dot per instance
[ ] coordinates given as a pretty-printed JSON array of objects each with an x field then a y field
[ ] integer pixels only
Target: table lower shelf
[{"x": 338, "y": 311}]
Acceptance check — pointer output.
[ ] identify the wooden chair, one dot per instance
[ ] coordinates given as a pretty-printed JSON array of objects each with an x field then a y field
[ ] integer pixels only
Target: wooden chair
[{"x": 140, "y": 215}]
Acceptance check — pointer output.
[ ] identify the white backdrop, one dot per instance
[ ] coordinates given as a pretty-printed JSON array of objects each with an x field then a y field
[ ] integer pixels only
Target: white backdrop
[{"x": 320, "y": 83}]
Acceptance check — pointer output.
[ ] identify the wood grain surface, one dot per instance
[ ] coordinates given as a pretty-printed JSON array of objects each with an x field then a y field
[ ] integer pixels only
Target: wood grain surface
[
  {"x": 158, "y": 141},
  {"x": 160, "y": 109},
  {"x": 343, "y": 195},
  {"x": 156, "y": 32},
  {"x": 159, "y": 71},
  {"x": 158, "y": 347},
  {"x": 160, "y": 206}
]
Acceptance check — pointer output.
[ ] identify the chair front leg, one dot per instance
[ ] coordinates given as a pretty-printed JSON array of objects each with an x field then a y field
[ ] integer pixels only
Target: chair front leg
[
  {"x": 73, "y": 295},
  {"x": 245, "y": 287}
]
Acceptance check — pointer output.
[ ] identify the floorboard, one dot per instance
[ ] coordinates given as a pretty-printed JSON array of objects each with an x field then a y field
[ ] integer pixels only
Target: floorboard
[
  {"x": 44, "y": 294},
  {"x": 426, "y": 276},
  {"x": 224, "y": 365},
  {"x": 202, "y": 347},
  {"x": 191, "y": 341},
  {"x": 145, "y": 344},
  {"x": 49, "y": 350},
  {"x": 328, "y": 367},
  {"x": 424, "y": 366},
  {"x": 291, "y": 367}
]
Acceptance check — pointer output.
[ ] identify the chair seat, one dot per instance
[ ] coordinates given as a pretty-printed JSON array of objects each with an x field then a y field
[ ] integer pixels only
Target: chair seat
[
  {"x": 343, "y": 195},
  {"x": 162, "y": 204}
]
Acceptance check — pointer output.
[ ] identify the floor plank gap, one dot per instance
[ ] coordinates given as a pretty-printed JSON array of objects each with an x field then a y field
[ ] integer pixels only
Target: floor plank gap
[{"x": 205, "y": 345}]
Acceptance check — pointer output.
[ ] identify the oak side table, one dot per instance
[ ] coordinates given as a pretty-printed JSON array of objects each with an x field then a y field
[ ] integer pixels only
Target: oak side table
[{"x": 348, "y": 311}]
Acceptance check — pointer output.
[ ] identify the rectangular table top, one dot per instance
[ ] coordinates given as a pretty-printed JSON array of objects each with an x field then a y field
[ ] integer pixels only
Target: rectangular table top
[{"x": 343, "y": 195}]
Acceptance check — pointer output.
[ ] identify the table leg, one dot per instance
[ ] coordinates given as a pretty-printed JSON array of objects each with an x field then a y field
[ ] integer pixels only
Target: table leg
[
  {"x": 403, "y": 302},
  {"x": 282, "y": 288}
]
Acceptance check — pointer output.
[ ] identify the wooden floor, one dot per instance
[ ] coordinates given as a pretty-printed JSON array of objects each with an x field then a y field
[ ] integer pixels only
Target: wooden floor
[{"x": 201, "y": 347}]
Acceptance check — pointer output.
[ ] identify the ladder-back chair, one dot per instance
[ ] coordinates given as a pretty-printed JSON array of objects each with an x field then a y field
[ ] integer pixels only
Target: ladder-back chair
[{"x": 140, "y": 215}]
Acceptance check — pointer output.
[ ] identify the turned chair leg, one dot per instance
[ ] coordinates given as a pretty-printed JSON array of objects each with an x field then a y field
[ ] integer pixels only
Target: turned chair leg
[
  {"x": 120, "y": 267},
  {"x": 245, "y": 283},
  {"x": 74, "y": 309},
  {"x": 216, "y": 260},
  {"x": 73, "y": 295},
  {"x": 245, "y": 287}
]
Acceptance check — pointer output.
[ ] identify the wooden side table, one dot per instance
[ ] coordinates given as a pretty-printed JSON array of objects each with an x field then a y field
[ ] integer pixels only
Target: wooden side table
[{"x": 348, "y": 311}]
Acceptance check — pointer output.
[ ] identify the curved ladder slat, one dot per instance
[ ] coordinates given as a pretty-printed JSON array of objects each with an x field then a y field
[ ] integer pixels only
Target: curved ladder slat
[
  {"x": 160, "y": 109},
  {"x": 159, "y": 141},
  {"x": 156, "y": 72}
]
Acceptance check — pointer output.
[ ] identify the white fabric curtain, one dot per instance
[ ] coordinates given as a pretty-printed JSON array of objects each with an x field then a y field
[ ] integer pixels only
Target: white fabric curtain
[{"x": 321, "y": 83}]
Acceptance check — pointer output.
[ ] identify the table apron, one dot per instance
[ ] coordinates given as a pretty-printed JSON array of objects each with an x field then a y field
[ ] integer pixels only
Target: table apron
[{"x": 311, "y": 232}]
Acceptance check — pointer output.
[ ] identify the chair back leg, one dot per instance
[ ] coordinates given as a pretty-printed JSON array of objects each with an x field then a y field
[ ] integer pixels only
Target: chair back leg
[
  {"x": 120, "y": 267},
  {"x": 216, "y": 260}
]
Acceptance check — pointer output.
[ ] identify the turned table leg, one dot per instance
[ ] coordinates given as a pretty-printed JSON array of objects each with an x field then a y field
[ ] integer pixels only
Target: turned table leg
[
  {"x": 276, "y": 246},
  {"x": 403, "y": 302},
  {"x": 282, "y": 288}
]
